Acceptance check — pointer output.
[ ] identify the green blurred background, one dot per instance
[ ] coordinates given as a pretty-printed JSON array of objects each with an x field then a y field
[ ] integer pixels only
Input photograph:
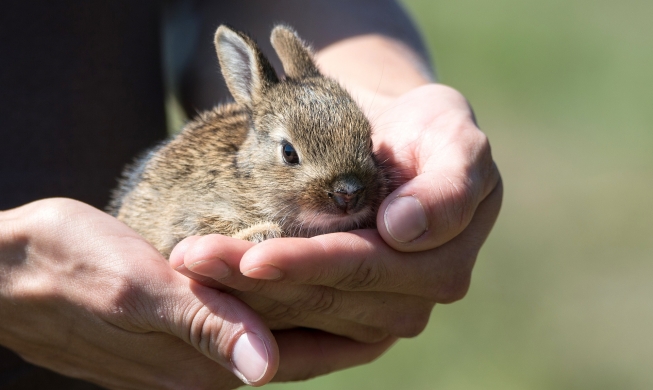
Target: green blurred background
[{"x": 561, "y": 296}]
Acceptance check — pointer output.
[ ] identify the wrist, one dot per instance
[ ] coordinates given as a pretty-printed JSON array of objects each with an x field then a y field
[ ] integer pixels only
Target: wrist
[{"x": 375, "y": 69}]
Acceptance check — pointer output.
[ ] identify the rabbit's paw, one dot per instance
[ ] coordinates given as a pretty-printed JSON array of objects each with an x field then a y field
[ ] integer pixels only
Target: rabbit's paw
[{"x": 260, "y": 232}]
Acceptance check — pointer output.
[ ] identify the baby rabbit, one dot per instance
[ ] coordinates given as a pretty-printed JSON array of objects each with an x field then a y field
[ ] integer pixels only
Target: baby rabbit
[{"x": 291, "y": 157}]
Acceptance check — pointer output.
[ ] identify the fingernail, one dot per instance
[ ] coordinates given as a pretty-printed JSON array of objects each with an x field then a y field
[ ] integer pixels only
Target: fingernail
[
  {"x": 266, "y": 272},
  {"x": 405, "y": 219},
  {"x": 213, "y": 268},
  {"x": 250, "y": 358}
]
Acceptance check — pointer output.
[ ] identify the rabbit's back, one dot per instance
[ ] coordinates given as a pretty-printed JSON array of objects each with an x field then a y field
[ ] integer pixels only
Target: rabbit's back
[{"x": 190, "y": 184}]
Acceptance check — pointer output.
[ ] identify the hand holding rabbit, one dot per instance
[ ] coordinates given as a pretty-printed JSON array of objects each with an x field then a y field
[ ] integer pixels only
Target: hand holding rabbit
[{"x": 429, "y": 135}]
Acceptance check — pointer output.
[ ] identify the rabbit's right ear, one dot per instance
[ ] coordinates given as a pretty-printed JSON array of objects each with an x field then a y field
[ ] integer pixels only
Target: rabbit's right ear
[
  {"x": 245, "y": 69},
  {"x": 295, "y": 55}
]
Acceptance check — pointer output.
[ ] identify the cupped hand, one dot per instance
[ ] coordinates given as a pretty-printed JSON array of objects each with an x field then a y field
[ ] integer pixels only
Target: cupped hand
[
  {"x": 369, "y": 284},
  {"x": 443, "y": 167},
  {"x": 84, "y": 295}
]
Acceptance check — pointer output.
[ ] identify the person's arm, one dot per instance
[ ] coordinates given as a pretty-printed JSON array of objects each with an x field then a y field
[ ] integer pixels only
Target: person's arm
[
  {"x": 368, "y": 284},
  {"x": 375, "y": 68},
  {"x": 322, "y": 23},
  {"x": 85, "y": 296}
]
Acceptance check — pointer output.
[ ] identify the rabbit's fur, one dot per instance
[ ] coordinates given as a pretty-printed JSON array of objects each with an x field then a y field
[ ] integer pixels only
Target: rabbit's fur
[{"x": 226, "y": 172}]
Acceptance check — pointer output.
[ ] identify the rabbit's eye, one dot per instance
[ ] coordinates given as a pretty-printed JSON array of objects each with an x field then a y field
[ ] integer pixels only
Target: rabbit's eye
[{"x": 290, "y": 154}]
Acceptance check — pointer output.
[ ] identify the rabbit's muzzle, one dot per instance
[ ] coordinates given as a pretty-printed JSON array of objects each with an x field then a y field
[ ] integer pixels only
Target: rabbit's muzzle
[{"x": 347, "y": 194}]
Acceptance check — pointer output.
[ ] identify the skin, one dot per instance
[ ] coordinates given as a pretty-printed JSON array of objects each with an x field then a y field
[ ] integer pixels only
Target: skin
[{"x": 120, "y": 316}]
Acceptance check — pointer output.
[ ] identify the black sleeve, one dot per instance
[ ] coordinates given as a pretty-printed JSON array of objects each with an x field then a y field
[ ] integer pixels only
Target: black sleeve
[{"x": 81, "y": 93}]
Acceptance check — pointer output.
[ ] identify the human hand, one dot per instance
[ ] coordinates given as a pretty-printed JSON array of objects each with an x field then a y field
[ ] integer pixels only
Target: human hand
[
  {"x": 84, "y": 295},
  {"x": 363, "y": 284}
]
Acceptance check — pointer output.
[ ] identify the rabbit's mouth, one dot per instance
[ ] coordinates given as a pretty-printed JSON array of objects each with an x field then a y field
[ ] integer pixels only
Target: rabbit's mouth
[{"x": 313, "y": 223}]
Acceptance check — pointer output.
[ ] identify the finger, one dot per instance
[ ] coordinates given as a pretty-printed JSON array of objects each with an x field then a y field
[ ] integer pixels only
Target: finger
[
  {"x": 209, "y": 259},
  {"x": 176, "y": 261},
  {"x": 217, "y": 324},
  {"x": 440, "y": 202},
  {"x": 215, "y": 255},
  {"x": 362, "y": 316},
  {"x": 360, "y": 260},
  {"x": 309, "y": 353},
  {"x": 365, "y": 317},
  {"x": 442, "y": 162},
  {"x": 278, "y": 315}
]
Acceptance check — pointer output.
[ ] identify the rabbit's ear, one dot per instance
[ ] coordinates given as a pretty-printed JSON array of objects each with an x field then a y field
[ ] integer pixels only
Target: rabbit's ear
[
  {"x": 245, "y": 69},
  {"x": 295, "y": 55}
]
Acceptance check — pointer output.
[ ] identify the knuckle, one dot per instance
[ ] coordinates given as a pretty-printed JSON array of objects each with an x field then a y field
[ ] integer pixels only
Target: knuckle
[
  {"x": 256, "y": 286},
  {"x": 30, "y": 291},
  {"x": 277, "y": 311},
  {"x": 124, "y": 304},
  {"x": 200, "y": 332},
  {"x": 309, "y": 373},
  {"x": 412, "y": 325},
  {"x": 488, "y": 168},
  {"x": 369, "y": 335},
  {"x": 210, "y": 325},
  {"x": 367, "y": 276},
  {"x": 483, "y": 149},
  {"x": 459, "y": 203},
  {"x": 465, "y": 200},
  {"x": 453, "y": 288},
  {"x": 51, "y": 212},
  {"x": 465, "y": 186},
  {"x": 411, "y": 320},
  {"x": 322, "y": 300},
  {"x": 487, "y": 172}
]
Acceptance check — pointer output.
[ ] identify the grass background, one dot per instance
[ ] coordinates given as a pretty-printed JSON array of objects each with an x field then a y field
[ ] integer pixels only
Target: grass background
[{"x": 562, "y": 292}]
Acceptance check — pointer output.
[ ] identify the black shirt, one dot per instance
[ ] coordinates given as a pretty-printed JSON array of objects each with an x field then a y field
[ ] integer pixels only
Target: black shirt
[{"x": 81, "y": 93}]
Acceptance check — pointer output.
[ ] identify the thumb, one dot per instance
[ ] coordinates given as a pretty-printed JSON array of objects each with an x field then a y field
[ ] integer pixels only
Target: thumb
[
  {"x": 222, "y": 328},
  {"x": 436, "y": 205},
  {"x": 433, "y": 141}
]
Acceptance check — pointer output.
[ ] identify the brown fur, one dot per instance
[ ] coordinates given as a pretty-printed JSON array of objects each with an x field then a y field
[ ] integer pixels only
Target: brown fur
[{"x": 224, "y": 173}]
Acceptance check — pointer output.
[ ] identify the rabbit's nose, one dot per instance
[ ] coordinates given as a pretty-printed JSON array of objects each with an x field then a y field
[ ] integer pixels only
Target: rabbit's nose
[{"x": 347, "y": 199}]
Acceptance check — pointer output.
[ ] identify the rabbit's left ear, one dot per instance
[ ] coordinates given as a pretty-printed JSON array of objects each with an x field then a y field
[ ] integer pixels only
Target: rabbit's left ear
[
  {"x": 295, "y": 55},
  {"x": 245, "y": 69}
]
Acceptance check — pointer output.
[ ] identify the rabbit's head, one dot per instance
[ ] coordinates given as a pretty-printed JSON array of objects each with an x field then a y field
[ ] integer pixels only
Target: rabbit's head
[{"x": 309, "y": 149}]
